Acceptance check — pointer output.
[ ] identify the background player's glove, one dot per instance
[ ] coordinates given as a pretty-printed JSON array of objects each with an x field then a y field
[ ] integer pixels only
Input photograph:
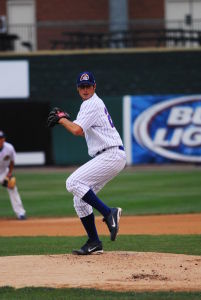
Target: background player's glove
[
  {"x": 55, "y": 115},
  {"x": 9, "y": 182}
]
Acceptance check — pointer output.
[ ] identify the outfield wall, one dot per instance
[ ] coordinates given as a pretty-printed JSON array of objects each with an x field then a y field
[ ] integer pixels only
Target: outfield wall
[{"x": 52, "y": 77}]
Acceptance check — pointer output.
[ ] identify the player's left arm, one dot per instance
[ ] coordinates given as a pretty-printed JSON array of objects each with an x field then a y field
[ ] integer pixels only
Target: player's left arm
[
  {"x": 10, "y": 180},
  {"x": 58, "y": 116},
  {"x": 72, "y": 127},
  {"x": 10, "y": 167}
]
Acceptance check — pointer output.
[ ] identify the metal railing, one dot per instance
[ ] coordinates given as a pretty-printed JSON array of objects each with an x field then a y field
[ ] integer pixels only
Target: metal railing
[
  {"x": 96, "y": 34},
  {"x": 128, "y": 39}
]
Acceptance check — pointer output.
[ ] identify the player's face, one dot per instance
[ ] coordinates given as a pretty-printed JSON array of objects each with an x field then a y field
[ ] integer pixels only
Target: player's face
[
  {"x": 2, "y": 140},
  {"x": 86, "y": 91}
]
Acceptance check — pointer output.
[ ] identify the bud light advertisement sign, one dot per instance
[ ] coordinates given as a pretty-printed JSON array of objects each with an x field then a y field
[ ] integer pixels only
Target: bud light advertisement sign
[{"x": 162, "y": 128}]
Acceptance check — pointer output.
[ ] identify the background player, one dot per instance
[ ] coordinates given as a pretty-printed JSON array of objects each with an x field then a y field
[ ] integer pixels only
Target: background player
[
  {"x": 105, "y": 146},
  {"x": 7, "y": 159}
]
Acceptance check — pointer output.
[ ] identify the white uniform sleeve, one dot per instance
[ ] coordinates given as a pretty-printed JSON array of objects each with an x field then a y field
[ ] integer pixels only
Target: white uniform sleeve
[
  {"x": 13, "y": 154},
  {"x": 87, "y": 115}
]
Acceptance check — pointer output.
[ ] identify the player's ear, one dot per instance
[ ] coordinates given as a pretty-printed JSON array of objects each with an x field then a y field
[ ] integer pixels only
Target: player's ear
[{"x": 94, "y": 86}]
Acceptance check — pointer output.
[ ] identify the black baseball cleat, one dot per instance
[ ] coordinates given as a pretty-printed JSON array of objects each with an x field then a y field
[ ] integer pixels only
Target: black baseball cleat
[
  {"x": 94, "y": 247},
  {"x": 22, "y": 217},
  {"x": 112, "y": 222}
]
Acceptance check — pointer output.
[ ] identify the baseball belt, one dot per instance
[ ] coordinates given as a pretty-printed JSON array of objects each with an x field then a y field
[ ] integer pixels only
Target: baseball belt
[{"x": 99, "y": 152}]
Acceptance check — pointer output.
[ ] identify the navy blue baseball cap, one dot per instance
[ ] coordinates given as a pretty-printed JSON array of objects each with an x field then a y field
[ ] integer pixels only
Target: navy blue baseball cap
[
  {"x": 2, "y": 134},
  {"x": 85, "y": 78}
]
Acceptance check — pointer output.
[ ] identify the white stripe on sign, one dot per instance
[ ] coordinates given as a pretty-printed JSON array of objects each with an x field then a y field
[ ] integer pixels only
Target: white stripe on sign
[
  {"x": 127, "y": 127},
  {"x": 30, "y": 158}
]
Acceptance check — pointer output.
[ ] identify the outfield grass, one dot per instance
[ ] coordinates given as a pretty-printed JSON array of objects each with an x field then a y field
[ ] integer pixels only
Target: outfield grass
[
  {"x": 180, "y": 244},
  {"x": 138, "y": 193},
  {"x": 8, "y": 293}
]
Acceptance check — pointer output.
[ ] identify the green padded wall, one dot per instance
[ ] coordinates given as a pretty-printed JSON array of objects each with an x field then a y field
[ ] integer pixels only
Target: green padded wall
[{"x": 53, "y": 77}]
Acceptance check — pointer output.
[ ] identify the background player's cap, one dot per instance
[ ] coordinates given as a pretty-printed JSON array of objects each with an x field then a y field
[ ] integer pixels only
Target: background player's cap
[
  {"x": 2, "y": 134},
  {"x": 85, "y": 78}
]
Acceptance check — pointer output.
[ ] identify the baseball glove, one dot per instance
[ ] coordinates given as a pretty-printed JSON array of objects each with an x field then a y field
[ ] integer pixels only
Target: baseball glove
[
  {"x": 9, "y": 182},
  {"x": 55, "y": 115}
]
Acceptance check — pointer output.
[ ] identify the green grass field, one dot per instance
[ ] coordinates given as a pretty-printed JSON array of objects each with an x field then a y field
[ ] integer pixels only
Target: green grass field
[
  {"x": 8, "y": 293},
  {"x": 180, "y": 244},
  {"x": 137, "y": 192},
  {"x": 143, "y": 192}
]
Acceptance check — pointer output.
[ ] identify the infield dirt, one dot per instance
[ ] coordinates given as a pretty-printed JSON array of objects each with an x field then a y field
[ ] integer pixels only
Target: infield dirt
[{"x": 121, "y": 271}]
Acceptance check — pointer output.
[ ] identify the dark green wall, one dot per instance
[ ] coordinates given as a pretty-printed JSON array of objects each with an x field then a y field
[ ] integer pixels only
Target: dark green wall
[{"x": 53, "y": 78}]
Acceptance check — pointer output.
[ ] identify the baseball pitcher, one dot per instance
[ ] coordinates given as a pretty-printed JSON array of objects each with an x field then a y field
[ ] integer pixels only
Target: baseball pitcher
[{"x": 108, "y": 159}]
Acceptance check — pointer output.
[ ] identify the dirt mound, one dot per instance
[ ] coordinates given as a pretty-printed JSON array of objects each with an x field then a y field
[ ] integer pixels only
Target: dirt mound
[{"x": 119, "y": 271}]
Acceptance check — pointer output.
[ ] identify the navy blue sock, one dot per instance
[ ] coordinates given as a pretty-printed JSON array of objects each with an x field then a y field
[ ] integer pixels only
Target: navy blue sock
[
  {"x": 90, "y": 227},
  {"x": 91, "y": 198}
]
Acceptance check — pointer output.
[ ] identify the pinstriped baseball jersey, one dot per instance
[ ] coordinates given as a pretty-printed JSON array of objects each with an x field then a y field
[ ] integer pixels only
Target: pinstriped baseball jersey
[
  {"x": 97, "y": 125},
  {"x": 7, "y": 154}
]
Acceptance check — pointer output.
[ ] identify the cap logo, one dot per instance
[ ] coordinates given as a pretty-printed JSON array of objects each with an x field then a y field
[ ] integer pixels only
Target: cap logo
[{"x": 84, "y": 77}]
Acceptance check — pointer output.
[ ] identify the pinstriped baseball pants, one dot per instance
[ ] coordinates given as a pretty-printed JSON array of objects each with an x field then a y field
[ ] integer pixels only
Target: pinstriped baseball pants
[
  {"x": 94, "y": 175},
  {"x": 15, "y": 198}
]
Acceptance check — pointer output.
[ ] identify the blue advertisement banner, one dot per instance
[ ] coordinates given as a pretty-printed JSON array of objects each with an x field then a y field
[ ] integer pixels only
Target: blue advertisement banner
[{"x": 162, "y": 128}]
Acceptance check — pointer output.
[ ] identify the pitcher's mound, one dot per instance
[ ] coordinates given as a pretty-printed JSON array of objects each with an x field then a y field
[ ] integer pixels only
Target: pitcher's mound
[{"x": 120, "y": 271}]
